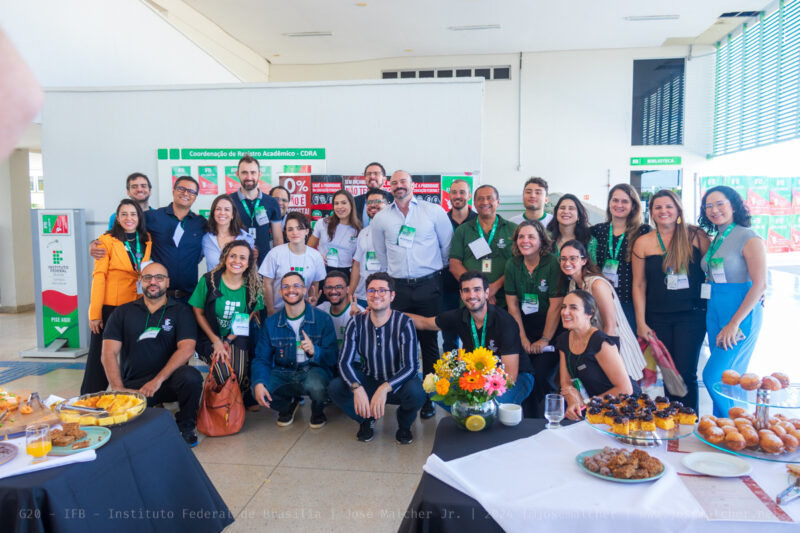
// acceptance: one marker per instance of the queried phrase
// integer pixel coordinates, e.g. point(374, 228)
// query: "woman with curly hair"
point(571, 221)
point(736, 277)
point(226, 303)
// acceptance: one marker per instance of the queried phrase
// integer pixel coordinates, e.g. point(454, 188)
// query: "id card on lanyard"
point(405, 239)
point(372, 264)
point(136, 259)
point(675, 280)
point(611, 266)
point(241, 324)
point(152, 331)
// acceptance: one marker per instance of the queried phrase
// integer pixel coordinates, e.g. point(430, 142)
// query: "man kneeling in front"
point(154, 338)
point(385, 343)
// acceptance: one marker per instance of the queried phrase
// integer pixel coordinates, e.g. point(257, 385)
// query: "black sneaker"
point(317, 420)
point(287, 417)
point(404, 436)
point(428, 410)
point(366, 432)
point(190, 437)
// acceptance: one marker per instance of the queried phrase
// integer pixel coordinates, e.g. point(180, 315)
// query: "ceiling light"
point(645, 18)
point(362, 4)
point(309, 34)
point(475, 28)
point(408, 50)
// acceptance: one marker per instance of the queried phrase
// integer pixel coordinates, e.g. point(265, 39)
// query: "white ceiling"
point(389, 28)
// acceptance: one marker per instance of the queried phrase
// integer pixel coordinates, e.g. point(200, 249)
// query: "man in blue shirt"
point(374, 178)
point(260, 213)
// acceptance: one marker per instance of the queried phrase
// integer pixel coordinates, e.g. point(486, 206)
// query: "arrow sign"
point(61, 329)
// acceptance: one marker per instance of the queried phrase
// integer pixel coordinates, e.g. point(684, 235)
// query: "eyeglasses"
point(186, 191)
point(286, 286)
point(374, 202)
point(334, 287)
point(570, 259)
point(380, 291)
point(718, 205)
point(147, 278)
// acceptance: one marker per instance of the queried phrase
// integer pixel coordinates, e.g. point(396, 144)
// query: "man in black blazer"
point(374, 176)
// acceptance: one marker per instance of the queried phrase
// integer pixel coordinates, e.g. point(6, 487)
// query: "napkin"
point(22, 463)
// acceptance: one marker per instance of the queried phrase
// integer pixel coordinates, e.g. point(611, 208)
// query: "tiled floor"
point(299, 479)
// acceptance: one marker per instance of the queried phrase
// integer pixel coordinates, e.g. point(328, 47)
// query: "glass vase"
point(474, 417)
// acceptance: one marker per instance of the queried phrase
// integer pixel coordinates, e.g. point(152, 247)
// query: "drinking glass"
point(554, 410)
point(37, 442)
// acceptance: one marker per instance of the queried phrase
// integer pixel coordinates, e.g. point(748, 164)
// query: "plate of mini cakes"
point(637, 417)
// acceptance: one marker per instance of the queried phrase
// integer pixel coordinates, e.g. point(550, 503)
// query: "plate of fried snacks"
point(73, 439)
point(621, 465)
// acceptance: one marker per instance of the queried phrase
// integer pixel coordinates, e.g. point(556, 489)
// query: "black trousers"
point(94, 377)
point(423, 298)
point(185, 386)
point(545, 366)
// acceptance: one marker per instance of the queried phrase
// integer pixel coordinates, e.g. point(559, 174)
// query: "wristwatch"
point(355, 386)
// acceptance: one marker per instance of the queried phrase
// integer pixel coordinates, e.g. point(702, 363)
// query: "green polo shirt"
point(500, 246)
point(543, 281)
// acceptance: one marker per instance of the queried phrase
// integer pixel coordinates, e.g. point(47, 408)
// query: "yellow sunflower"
point(480, 360)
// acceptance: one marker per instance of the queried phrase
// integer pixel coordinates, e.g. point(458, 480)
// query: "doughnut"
point(704, 425)
point(729, 429)
point(750, 437)
point(778, 430)
point(716, 435)
point(725, 422)
point(785, 425)
point(735, 441)
point(771, 443)
point(750, 381)
point(782, 378)
point(731, 377)
point(736, 412)
point(795, 433)
point(742, 422)
point(795, 422)
point(790, 443)
point(714, 418)
point(770, 383)
point(780, 416)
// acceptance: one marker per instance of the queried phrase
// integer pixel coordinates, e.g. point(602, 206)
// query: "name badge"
point(677, 282)
point(610, 268)
point(717, 268)
point(139, 288)
point(252, 232)
point(405, 239)
point(576, 382)
point(372, 264)
point(241, 324)
point(302, 356)
point(149, 333)
point(530, 303)
point(479, 248)
point(705, 291)
point(176, 236)
point(486, 266)
point(261, 216)
point(332, 257)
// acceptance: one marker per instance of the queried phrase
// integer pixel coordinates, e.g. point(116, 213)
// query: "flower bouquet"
point(469, 382)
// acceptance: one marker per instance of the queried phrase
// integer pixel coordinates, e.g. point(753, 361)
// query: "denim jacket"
point(277, 344)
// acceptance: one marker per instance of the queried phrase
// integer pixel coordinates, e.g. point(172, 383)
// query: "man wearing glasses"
point(154, 338)
point(295, 355)
point(339, 304)
point(385, 342)
point(177, 235)
point(374, 178)
point(365, 262)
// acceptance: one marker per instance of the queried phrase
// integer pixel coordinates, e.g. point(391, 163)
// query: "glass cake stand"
point(647, 438)
point(793, 457)
point(762, 399)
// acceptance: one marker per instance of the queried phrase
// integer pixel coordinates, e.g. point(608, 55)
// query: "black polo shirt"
point(141, 360)
point(247, 212)
point(449, 282)
point(502, 333)
point(180, 261)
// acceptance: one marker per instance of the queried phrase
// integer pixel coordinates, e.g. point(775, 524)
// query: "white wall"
point(575, 109)
point(16, 252)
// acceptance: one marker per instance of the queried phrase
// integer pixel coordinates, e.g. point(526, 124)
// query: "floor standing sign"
point(61, 283)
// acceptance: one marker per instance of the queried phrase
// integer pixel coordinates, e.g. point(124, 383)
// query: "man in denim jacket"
point(296, 354)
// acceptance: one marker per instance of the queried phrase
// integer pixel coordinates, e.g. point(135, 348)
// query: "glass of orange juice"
point(37, 442)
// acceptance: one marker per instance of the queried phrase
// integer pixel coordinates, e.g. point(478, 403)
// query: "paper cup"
point(510, 414)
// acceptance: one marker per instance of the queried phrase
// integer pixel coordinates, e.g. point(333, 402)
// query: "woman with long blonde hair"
point(666, 287)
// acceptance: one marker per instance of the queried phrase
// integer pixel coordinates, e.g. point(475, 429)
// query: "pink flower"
point(495, 383)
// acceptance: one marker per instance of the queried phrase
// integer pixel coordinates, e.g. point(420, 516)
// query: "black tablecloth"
point(438, 507)
point(145, 478)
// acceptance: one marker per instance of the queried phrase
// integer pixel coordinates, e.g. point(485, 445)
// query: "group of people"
point(349, 313)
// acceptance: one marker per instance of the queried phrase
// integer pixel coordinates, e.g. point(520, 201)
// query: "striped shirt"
point(388, 353)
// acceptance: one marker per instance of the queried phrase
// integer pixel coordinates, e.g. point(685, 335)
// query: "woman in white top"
point(224, 226)
point(335, 235)
point(294, 256)
point(584, 274)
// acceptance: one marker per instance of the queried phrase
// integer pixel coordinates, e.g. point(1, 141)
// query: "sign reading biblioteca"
point(655, 161)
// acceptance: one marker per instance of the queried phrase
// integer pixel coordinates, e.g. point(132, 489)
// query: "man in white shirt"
point(412, 243)
point(534, 198)
point(374, 178)
point(365, 262)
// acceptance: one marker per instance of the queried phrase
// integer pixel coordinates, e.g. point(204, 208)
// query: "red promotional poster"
point(177, 172)
point(780, 196)
point(231, 181)
point(354, 184)
point(795, 232)
point(207, 176)
point(758, 195)
point(796, 196)
point(779, 234)
point(322, 188)
point(299, 188)
point(265, 183)
point(428, 187)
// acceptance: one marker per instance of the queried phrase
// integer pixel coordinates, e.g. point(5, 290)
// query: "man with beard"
point(139, 189)
point(296, 354)
point(480, 323)
point(374, 178)
point(339, 305)
point(260, 213)
point(412, 243)
point(154, 338)
point(534, 198)
point(365, 262)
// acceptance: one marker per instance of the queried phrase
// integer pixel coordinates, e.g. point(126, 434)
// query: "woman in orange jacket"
point(115, 281)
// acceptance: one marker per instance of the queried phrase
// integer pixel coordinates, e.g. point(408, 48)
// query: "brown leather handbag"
point(221, 408)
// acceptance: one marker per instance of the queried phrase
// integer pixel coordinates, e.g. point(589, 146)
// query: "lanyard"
point(491, 233)
point(256, 205)
point(663, 249)
point(137, 257)
point(615, 254)
point(475, 331)
point(718, 242)
point(158, 324)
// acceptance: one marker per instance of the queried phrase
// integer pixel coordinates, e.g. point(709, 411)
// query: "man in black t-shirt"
point(480, 323)
point(154, 338)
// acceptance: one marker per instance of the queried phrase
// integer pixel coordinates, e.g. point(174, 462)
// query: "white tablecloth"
point(535, 483)
point(22, 463)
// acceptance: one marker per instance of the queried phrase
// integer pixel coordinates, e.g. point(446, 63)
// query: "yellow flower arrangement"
point(472, 377)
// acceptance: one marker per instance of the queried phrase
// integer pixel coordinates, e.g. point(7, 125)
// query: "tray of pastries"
point(640, 418)
point(775, 390)
point(738, 434)
point(621, 465)
point(107, 408)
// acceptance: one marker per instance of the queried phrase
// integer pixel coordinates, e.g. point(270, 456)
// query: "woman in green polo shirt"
point(533, 296)
point(226, 303)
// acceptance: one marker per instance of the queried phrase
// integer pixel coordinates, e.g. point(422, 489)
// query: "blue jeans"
point(409, 397)
point(516, 394)
point(286, 384)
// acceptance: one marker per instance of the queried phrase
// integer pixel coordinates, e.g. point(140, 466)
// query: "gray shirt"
point(731, 252)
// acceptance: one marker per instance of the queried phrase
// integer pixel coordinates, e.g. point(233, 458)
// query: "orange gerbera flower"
point(471, 381)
